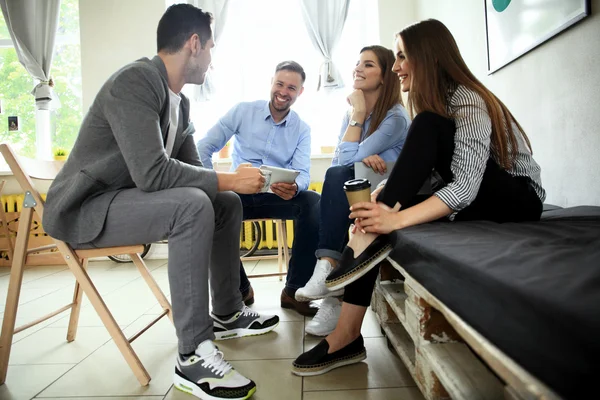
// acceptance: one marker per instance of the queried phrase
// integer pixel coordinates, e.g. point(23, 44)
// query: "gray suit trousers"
point(203, 244)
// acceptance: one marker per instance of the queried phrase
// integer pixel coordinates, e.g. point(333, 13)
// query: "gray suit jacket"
point(121, 145)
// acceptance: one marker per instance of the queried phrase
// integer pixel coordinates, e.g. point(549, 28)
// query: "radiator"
point(14, 203)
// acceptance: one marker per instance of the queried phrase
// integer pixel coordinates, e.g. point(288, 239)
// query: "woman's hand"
point(357, 100)
point(375, 193)
point(376, 217)
point(376, 163)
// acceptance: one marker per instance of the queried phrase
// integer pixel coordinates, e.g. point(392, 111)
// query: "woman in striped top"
point(470, 139)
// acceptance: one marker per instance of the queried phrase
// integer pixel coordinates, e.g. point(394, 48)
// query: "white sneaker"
point(326, 319)
point(208, 376)
point(315, 287)
point(246, 322)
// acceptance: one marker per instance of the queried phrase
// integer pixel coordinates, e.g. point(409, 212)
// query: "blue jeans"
point(334, 213)
point(303, 209)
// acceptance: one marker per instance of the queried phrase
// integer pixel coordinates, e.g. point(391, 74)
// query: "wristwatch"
point(354, 123)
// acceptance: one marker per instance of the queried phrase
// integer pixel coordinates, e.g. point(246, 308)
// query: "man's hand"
point(285, 190)
point(247, 179)
point(376, 163)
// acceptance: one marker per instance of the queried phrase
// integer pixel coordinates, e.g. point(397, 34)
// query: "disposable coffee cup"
point(358, 190)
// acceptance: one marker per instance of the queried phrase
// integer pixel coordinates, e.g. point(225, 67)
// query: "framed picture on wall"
point(514, 27)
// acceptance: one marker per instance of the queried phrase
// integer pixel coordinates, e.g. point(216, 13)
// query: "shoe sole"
point(302, 298)
point(243, 332)
point(190, 388)
point(320, 334)
point(360, 271)
point(306, 314)
point(326, 367)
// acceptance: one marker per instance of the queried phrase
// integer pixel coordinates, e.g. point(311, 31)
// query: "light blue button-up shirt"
point(261, 141)
point(386, 141)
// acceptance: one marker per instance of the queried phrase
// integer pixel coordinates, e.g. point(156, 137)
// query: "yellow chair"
point(77, 261)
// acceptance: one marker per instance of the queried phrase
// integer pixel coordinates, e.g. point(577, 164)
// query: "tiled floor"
point(44, 365)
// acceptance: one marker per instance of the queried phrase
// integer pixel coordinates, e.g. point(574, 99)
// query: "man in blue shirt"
point(269, 133)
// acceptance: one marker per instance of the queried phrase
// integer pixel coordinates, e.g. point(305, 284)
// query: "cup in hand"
point(267, 185)
point(358, 190)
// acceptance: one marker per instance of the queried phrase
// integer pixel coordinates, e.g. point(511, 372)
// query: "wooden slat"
point(144, 329)
point(267, 275)
point(395, 296)
point(41, 248)
point(42, 319)
point(463, 376)
point(523, 383)
point(109, 251)
point(105, 315)
point(402, 343)
point(14, 290)
point(151, 282)
point(254, 258)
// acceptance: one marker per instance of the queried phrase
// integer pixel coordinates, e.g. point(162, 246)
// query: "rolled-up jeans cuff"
point(336, 255)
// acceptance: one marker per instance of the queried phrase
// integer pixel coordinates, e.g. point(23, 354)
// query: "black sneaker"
point(208, 376)
point(316, 361)
point(244, 323)
point(350, 269)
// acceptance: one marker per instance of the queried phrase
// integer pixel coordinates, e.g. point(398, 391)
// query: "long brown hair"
point(437, 68)
point(390, 89)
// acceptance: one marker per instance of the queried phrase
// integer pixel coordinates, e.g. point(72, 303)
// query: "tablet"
point(277, 175)
point(362, 171)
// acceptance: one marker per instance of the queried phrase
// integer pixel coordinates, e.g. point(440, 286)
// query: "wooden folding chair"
point(77, 261)
point(283, 254)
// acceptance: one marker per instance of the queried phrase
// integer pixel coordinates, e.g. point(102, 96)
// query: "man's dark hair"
point(178, 24)
point(291, 66)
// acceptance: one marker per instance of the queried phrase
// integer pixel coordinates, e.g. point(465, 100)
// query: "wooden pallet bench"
point(447, 358)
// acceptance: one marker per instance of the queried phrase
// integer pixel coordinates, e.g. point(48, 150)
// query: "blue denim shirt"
point(386, 141)
point(261, 141)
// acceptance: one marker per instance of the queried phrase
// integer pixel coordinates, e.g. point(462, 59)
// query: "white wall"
point(553, 91)
point(114, 33)
point(393, 16)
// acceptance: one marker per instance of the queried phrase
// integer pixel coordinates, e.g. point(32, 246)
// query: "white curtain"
point(32, 25)
point(218, 8)
point(325, 21)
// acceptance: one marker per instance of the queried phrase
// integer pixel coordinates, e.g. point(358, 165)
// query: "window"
point(260, 34)
point(16, 85)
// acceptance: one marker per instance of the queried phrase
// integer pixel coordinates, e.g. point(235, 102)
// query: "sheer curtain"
point(218, 8)
point(325, 22)
point(32, 26)
point(260, 34)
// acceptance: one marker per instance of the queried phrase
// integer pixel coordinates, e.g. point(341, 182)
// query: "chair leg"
point(279, 247)
point(107, 318)
point(75, 311)
point(160, 296)
point(14, 290)
point(286, 251)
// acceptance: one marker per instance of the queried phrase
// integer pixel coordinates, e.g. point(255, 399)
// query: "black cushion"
point(532, 289)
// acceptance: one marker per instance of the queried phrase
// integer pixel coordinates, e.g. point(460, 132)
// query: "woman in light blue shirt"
point(373, 132)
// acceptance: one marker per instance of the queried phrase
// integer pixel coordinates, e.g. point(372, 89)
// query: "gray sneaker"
point(208, 376)
point(244, 323)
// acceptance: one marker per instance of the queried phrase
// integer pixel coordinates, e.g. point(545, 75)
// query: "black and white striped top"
point(472, 141)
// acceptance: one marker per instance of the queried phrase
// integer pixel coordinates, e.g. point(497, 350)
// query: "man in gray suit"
point(134, 176)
